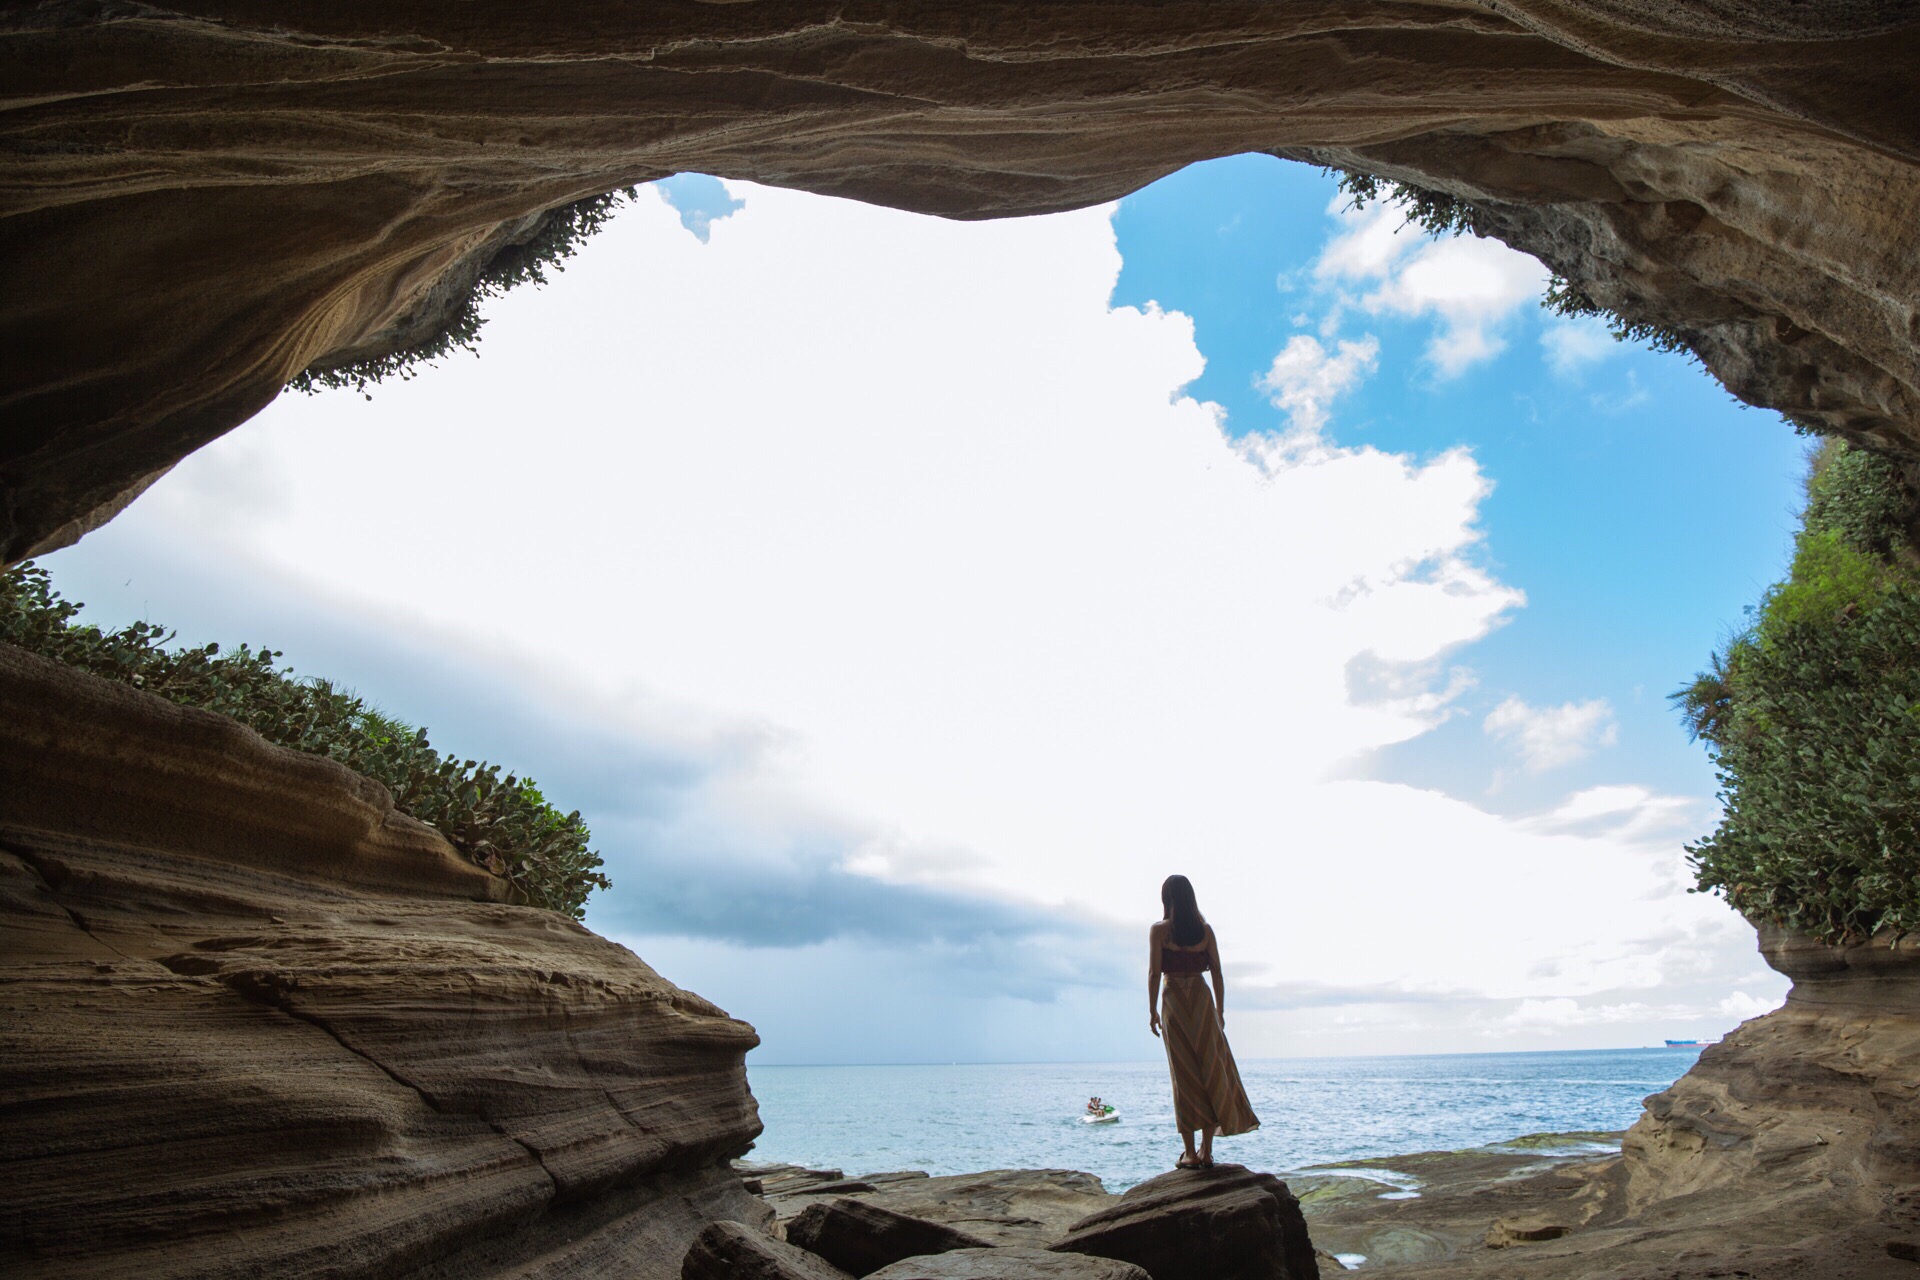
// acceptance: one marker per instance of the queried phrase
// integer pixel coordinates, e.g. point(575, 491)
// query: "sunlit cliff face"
point(208, 204)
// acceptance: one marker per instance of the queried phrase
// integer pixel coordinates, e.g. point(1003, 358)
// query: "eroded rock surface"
point(274, 1028)
point(205, 198)
point(1434, 1205)
point(1802, 1123)
point(1823, 1094)
point(1791, 1149)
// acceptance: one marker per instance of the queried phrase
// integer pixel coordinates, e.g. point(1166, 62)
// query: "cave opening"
point(309, 991)
point(1233, 524)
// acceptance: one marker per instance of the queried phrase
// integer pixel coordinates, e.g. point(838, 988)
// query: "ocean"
point(966, 1118)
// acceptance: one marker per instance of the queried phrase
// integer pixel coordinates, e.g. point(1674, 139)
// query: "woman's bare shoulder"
point(1158, 931)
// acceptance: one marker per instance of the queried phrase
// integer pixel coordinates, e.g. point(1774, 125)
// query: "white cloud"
point(1741, 1006)
point(1459, 347)
point(1623, 811)
point(1370, 242)
point(1468, 284)
point(1572, 345)
point(908, 498)
point(1561, 1012)
point(1548, 737)
point(1306, 378)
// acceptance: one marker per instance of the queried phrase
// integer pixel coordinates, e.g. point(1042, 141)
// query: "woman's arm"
point(1219, 983)
point(1153, 980)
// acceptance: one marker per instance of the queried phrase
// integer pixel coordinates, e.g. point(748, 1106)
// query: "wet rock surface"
point(1435, 1205)
point(206, 199)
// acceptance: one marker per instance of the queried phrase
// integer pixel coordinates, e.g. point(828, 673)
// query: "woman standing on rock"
point(1207, 1096)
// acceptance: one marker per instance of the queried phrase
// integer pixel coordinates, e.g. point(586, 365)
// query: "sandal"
point(1185, 1162)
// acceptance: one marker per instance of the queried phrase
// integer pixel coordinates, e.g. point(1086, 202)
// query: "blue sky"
point(1639, 506)
point(899, 599)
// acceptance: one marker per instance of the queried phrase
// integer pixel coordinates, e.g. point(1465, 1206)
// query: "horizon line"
point(1330, 1057)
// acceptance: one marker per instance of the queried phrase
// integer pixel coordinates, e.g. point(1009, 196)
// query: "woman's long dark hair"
point(1176, 899)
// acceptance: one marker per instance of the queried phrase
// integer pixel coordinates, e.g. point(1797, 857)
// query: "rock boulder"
point(1009, 1264)
point(1029, 1208)
point(729, 1251)
point(862, 1238)
point(1223, 1223)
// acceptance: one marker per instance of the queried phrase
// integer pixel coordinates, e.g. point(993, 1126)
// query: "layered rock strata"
point(205, 198)
point(1804, 1122)
point(254, 1022)
point(1790, 1149)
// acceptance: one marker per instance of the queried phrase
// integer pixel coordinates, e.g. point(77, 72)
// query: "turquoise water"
point(960, 1119)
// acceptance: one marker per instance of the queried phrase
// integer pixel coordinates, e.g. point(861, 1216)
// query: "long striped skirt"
point(1207, 1094)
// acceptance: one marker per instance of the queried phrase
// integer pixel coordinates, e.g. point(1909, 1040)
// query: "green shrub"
point(1858, 495)
point(1813, 717)
point(558, 238)
point(1829, 579)
point(503, 824)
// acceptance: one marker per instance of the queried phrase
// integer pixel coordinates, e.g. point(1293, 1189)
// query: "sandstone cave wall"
point(254, 1022)
point(1805, 1118)
point(203, 199)
point(1790, 1149)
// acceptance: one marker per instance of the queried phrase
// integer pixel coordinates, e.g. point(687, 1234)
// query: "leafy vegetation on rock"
point(1813, 717)
point(559, 237)
point(1435, 212)
point(1441, 214)
point(503, 823)
point(1565, 298)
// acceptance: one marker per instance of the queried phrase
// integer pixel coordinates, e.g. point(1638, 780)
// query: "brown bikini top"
point(1174, 960)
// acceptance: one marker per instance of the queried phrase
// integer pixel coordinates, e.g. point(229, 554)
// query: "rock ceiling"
point(201, 200)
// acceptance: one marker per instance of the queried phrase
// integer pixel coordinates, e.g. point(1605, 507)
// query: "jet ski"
point(1106, 1115)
